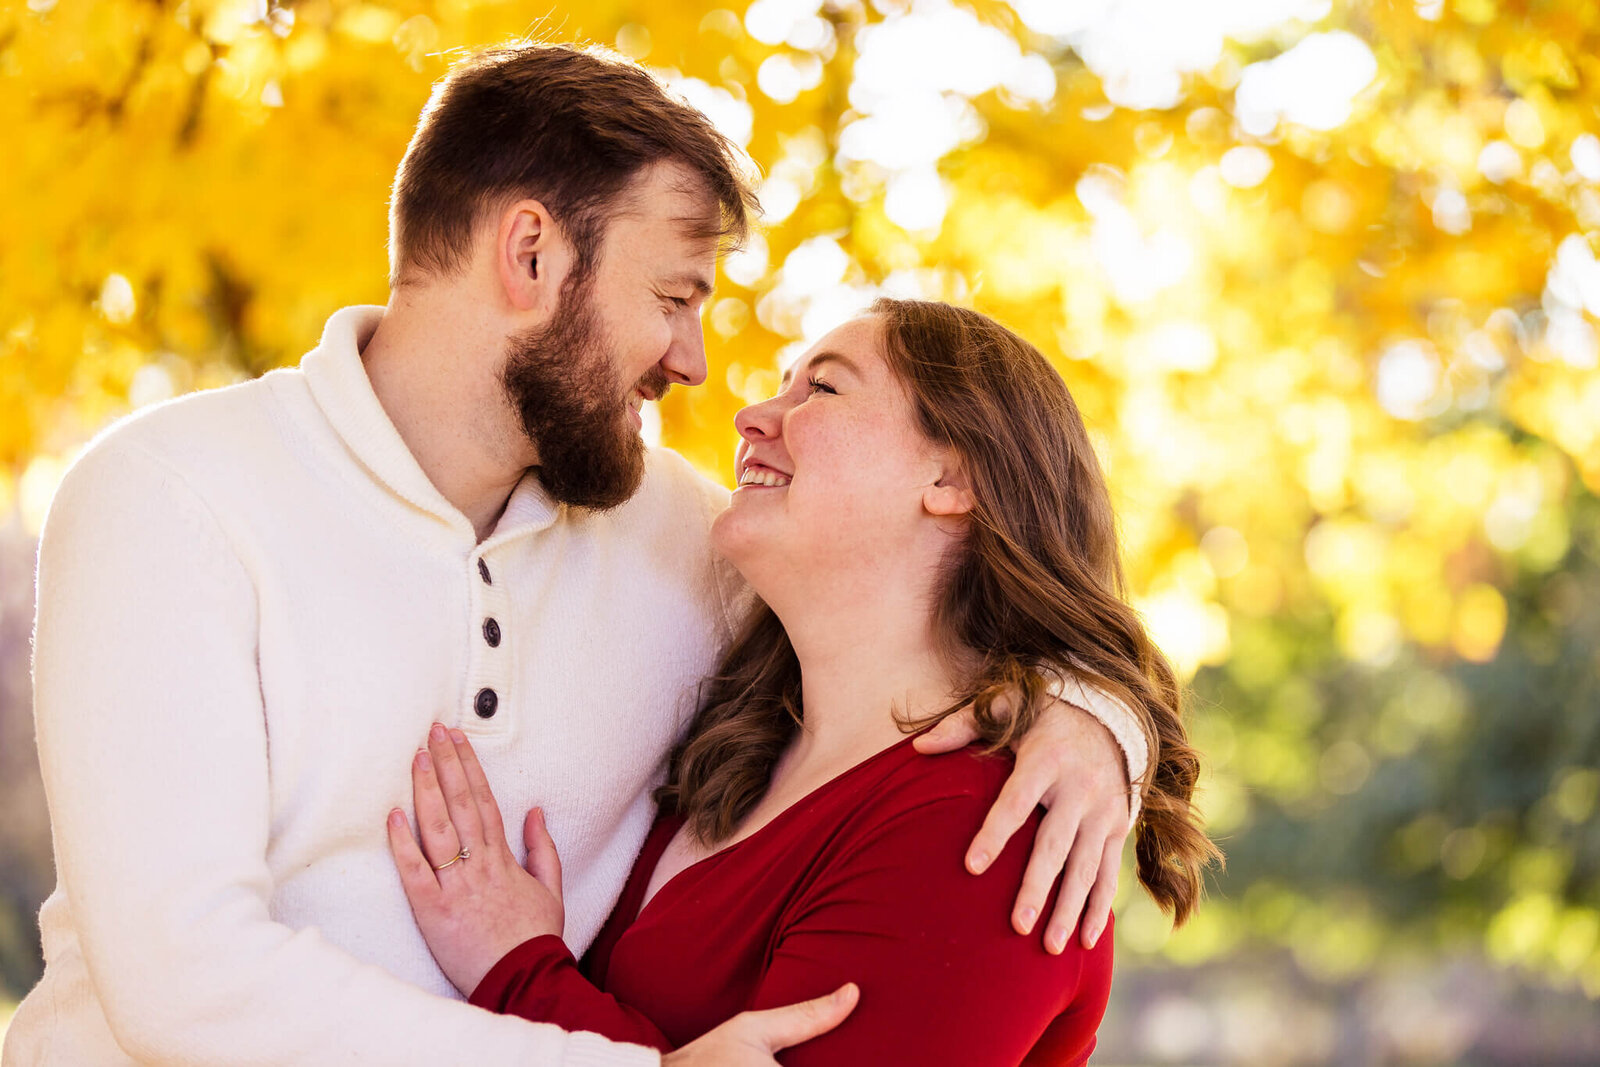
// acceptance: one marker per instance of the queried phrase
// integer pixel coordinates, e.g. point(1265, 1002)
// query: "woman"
point(926, 524)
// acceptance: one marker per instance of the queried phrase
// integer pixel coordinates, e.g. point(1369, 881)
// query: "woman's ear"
point(950, 495)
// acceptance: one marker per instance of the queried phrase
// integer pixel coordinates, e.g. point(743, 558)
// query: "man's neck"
point(430, 363)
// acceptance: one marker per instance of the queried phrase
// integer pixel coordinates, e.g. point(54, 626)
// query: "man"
point(254, 601)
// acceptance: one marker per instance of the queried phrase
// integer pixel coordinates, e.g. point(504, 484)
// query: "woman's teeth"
point(757, 476)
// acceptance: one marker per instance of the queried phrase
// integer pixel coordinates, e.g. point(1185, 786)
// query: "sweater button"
point(483, 572)
point(491, 633)
point(486, 703)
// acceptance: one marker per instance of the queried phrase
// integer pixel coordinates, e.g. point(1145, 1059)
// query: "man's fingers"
point(1017, 799)
point(1051, 847)
point(452, 777)
point(544, 862)
point(954, 732)
point(1082, 867)
point(488, 811)
point(416, 875)
point(439, 838)
point(779, 1028)
point(1104, 894)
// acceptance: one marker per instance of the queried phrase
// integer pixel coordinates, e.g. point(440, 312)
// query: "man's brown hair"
point(566, 126)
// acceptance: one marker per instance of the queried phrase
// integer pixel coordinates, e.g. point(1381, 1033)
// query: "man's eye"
point(818, 385)
point(678, 301)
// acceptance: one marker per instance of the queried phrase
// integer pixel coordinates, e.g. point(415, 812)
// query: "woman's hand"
point(1070, 763)
point(472, 901)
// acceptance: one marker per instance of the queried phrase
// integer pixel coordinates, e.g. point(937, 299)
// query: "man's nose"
point(685, 361)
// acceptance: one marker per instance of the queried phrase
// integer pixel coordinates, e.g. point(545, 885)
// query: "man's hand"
point(751, 1038)
point(1070, 763)
point(478, 906)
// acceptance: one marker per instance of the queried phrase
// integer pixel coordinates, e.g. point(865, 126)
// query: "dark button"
point(486, 703)
point(491, 633)
point(483, 572)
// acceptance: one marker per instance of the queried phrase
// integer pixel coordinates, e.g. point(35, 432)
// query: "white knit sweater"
point(252, 604)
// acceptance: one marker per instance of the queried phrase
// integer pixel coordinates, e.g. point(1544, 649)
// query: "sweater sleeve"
point(153, 743)
point(540, 980)
point(944, 980)
point(1115, 717)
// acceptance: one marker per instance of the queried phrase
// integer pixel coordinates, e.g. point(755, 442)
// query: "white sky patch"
point(810, 295)
point(1138, 265)
point(916, 200)
point(1314, 84)
point(1177, 346)
point(1586, 156)
point(727, 112)
point(1451, 213)
point(779, 197)
point(939, 48)
point(1499, 162)
point(784, 77)
point(1245, 167)
point(1574, 279)
point(748, 265)
point(914, 78)
point(911, 131)
point(1408, 379)
point(1142, 49)
point(1571, 337)
point(151, 384)
point(771, 21)
point(117, 302)
point(650, 419)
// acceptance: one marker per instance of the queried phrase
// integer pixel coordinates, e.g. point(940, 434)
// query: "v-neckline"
point(647, 901)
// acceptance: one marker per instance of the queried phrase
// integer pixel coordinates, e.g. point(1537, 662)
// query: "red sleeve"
point(539, 980)
point(944, 979)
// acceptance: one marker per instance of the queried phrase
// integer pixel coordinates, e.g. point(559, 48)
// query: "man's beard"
point(562, 379)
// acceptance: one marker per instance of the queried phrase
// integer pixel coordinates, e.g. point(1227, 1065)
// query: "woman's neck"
point(863, 670)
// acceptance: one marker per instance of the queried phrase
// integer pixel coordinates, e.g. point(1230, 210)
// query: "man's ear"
point(531, 259)
point(950, 495)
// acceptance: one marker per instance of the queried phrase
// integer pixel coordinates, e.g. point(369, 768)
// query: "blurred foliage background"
point(1321, 275)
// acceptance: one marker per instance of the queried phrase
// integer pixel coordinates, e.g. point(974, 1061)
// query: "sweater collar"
point(339, 383)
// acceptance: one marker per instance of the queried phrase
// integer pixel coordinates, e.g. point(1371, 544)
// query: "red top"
point(862, 881)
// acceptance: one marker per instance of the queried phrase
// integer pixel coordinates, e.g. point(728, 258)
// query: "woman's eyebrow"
point(823, 357)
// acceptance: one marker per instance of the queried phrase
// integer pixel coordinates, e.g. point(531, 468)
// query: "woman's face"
point(833, 470)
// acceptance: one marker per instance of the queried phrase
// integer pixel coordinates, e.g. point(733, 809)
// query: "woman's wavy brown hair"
point(1035, 587)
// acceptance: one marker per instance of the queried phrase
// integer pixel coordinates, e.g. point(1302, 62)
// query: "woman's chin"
point(737, 534)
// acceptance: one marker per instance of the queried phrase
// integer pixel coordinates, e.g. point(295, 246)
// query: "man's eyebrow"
point(824, 357)
point(693, 281)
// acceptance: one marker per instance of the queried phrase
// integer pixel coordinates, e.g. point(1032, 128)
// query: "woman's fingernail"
point(1055, 940)
point(457, 736)
point(979, 862)
point(397, 817)
point(1091, 937)
point(423, 762)
point(437, 733)
point(1027, 916)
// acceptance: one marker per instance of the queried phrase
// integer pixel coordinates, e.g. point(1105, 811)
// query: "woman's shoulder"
point(942, 796)
point(968, 776)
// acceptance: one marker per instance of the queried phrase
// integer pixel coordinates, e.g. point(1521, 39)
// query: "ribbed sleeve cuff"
point(592, 1050)
point(1115, 717)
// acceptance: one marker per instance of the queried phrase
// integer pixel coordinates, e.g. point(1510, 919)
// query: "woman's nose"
point(759, 421)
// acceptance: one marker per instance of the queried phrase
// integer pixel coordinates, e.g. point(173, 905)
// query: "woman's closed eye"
point(818, 385)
